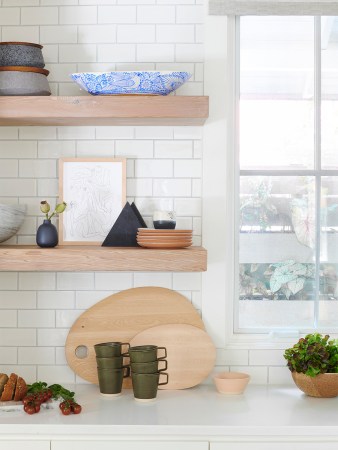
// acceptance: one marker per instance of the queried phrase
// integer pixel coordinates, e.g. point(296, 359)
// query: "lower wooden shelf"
point(30, 258)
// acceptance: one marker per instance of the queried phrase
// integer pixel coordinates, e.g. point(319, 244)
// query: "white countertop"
point(198, 412)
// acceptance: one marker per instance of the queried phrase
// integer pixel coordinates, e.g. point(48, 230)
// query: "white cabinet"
point(25, 445)
point(128, 445)
point(274, 446)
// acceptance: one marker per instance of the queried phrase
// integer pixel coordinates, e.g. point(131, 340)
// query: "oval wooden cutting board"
point(120, 317)
point(191, 353)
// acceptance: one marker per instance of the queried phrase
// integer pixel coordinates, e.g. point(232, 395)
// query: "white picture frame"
point(95, 192)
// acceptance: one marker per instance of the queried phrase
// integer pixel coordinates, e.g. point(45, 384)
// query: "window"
point(287, 209)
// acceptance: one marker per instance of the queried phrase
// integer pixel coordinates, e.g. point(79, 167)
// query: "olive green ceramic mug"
point(145, 385)
point(146, 353)
point(110, 380)
point(115, 362)
point(109, 349)
point(149, 367)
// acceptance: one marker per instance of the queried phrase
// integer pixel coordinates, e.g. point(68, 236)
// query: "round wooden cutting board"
point(191, 353)
point(120, 317)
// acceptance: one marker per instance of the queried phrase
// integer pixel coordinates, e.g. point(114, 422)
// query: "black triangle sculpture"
point(124, 230)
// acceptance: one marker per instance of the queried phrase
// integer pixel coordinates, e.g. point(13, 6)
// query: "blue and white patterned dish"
point(117, 83)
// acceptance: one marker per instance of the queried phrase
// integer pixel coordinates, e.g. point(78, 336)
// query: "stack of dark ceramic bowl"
point(22, 69)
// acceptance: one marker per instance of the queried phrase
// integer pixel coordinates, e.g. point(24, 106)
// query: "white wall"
point(164, 172)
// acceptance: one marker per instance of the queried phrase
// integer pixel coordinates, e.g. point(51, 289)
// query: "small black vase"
point(47, 235)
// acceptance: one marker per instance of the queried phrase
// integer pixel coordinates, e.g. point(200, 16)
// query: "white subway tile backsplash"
point(153, 133)
point(109, 281)
point(153, 279)
point(175, 33)
point(280, 375)
point(189, 14)
point(134, 149)
point(16, 187)
point(48, 187)
point(86, 299)
point(27, 372)
point(20, 34)
point(114, 133)
point(51, 373)
point(189, 53)
point(53, 337)
point(56, 149)
point(36, 133)
point(155, 14)
point(173, 149)
point(188, 132)
point(78, 281)
point(172, 187)
point(8, 355)
point(18, 149)
point(56, 299)
point(8, 318)
point(51, 54)
point(10, 16)
point(60, 34)
point(36, 355)
point(95, 149)
point(36, 319)
point(188, 206)
point(39, 16)
point(9, 133)
point(140, 187)
point(17, 337)
point(117, 14)
point(76, 133)
point(116, 52)
point(188, 168)
point(8, 281)
point(196, 190)
point(66, 318)
point(41, 168)
point(187, 281)
point(73, 53)
point(93, 34)
point(226, 357)
point(9, 168)
point(154, 168)
point(77, 15)
point(60, 356)
point(135, 33)
point(155, 53)
point(33, 281)
point(267, 357)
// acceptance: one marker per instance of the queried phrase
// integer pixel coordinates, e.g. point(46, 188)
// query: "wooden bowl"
point(324, 385)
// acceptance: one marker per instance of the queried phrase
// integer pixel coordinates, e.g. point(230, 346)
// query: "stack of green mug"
point(110, 366)
point(146, 370)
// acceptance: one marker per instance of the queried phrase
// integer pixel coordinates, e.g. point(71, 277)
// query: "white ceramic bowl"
point(128, 83)
point(11, 218)
point(231, 383)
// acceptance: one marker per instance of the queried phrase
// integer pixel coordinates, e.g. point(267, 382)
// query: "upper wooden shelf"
point(104, 110)
point(91, 258)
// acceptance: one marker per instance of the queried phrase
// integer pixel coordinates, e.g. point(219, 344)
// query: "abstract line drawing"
point(95, 189)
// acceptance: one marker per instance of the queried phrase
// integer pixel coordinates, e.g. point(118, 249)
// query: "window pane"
point(276, 251)
point(329, 105)
point(328, 306)
point(276, 92)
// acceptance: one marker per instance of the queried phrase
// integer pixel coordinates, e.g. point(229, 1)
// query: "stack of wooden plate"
point(151, 238)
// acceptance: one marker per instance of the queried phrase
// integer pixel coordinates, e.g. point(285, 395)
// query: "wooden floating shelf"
point(103, 110)
point(29, 258)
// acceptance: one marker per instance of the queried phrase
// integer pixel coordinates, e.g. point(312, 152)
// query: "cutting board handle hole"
point(81, 351)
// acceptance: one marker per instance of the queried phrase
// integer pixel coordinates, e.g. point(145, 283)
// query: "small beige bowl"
point(231, 383)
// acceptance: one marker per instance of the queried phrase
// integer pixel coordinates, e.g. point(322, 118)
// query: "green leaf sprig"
point(57, 390)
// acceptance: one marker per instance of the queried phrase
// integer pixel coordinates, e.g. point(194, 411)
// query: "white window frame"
point(220, 171)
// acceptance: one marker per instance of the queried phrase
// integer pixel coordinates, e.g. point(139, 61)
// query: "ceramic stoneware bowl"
point(231, 383)
point(23, 81)
point(127, 83)
point(21, 54)
point(11, 218)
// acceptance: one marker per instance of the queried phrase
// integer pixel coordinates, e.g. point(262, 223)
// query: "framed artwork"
point(95, 192)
